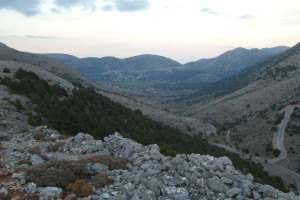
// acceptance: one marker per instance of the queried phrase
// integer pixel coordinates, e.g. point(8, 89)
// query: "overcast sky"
point(184, 30)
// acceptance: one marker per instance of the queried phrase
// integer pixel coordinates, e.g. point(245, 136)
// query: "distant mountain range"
point(232, 62)
point(165, 73)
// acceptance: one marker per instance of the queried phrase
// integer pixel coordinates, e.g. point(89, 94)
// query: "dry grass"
point(80, 188)
point(34, 150)
point(102, 180)
point(55, 147)
point(111, 162)
point(56, 173)
point(39, 136)
point(21, 162)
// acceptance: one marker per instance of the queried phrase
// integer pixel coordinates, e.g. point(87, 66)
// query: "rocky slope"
point(148, 174)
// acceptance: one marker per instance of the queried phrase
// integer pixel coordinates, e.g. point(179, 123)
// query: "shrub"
point(55, 147)
point(274, 128)
point(34, 150)
point(64, 137)
point(80, 188)
point(269, 147)
point(18, 105)
point(102, 180)
point(6, 70)
point(2, 148)
point(5, 196)
point(21, 162)
point(56, 173)
point(39, 136)
point(111, 162)
point(276, 152)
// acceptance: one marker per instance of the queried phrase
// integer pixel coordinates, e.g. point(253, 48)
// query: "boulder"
point(36, 160)
point(233, 192)
point(216, 185)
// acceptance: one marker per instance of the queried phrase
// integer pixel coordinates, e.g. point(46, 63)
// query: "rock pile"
point(149, 175)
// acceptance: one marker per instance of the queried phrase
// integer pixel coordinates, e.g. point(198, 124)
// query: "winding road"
point(280, 146)
point(280, 137)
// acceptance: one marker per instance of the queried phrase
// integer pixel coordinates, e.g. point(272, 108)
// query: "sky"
point(183, 30)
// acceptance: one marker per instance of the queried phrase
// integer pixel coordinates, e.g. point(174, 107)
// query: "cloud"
point(108, 7)
point(126, 5)
point(33, 7)
point(246, 16)
point(67, 4)
point(40, 37)
point(26, 7)
point(209, 11)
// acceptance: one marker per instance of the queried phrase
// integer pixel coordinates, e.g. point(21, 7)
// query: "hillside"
point(61, 70)
point(248, 107)
point(251, 74)
point(33, 100)
point(232, 62)
point(9, 54)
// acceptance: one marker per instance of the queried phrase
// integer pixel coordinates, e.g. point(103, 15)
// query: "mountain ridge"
point(157, 75)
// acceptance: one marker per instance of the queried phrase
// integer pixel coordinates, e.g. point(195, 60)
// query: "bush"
point(80, 188)
point(2, 148)
point(34, 150)
point(17, 103)
point(274, 128)
point(102, 180)
point(276, 152)
point(6, 70)
point(27, 162)
point(56, 173)
point(111, 162)
point(269, 147)
point(55, 147)
point(39, 136)
point(5, 196)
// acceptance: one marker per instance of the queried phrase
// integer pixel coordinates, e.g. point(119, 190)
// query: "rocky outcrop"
point(150, 175)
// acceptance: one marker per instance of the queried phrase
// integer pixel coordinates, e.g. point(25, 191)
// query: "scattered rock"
point(119, 168)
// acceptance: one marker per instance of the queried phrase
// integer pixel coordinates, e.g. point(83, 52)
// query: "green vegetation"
point(293, 126)
point(87, 111)
point(296, 114)
point(276, 152)
point(56, 173)
point(6, 70)
point(269, 147)
point(17, 103)
point(279, 118)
